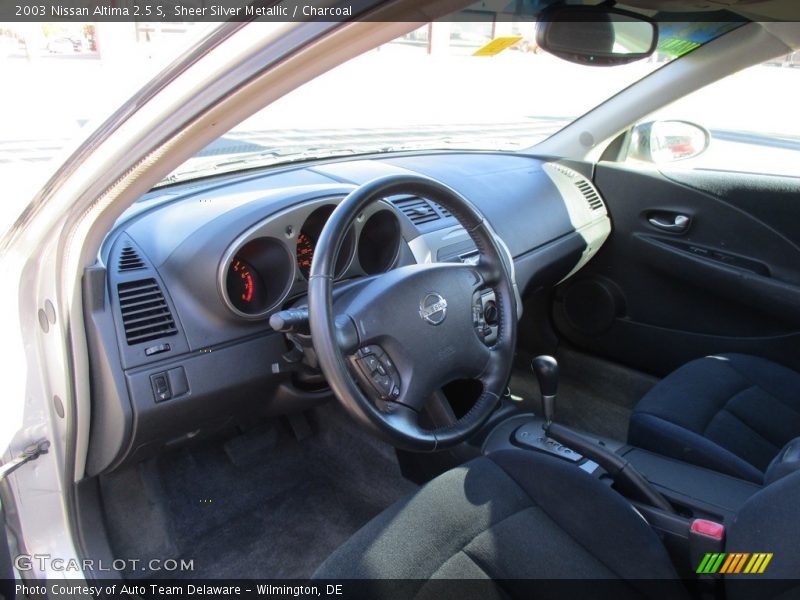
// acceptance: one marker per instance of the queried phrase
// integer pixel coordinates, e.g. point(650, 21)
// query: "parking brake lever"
point(620, 470)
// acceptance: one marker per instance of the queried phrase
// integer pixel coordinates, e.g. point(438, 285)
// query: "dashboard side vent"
point(418, 210)
point(145, 313)
point(588, 191)
point(564, 170)
point(129, 260)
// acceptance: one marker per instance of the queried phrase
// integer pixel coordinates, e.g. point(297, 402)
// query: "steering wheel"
point(411, 330)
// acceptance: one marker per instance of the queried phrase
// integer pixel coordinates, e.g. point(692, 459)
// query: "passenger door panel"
point(728, 282)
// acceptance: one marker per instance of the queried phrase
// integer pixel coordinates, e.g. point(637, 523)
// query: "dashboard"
point(178, 304)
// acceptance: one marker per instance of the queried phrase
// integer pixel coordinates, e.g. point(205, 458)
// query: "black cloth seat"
point(732, 413)
point(512, 516)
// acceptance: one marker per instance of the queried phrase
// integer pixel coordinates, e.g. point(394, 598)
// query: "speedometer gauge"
point(244, 285)
point(305, 253)
point(307, 243)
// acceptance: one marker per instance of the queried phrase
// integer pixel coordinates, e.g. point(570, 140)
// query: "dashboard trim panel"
point(235, 365)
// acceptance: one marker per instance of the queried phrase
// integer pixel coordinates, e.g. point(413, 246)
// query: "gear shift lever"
point(546, 370)
point(559, 440)
point(564, 442)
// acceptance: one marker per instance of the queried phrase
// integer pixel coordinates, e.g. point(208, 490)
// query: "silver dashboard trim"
point(592, 224)
point(425, 248)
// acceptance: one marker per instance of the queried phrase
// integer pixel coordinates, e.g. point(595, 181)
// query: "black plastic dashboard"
point(177, 306)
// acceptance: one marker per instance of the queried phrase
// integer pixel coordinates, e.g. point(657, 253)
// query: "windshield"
point(438, 87)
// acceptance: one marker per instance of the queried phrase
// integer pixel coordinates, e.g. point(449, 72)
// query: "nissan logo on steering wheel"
point(433, 308)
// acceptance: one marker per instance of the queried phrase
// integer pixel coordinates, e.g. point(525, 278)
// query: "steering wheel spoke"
point(403, 418)
point(418, 389)
point(346, 334)
point(489, 271)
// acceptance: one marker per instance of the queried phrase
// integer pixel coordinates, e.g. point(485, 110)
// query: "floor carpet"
point(260, 505)
point(594, 395)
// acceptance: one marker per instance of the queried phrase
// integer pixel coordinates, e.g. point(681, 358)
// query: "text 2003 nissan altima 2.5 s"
point(390, 308)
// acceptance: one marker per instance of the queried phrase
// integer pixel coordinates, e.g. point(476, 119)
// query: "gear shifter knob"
point(546, 370)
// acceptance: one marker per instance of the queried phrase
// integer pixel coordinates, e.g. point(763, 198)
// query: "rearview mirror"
point(593, 35)
point(667, 141)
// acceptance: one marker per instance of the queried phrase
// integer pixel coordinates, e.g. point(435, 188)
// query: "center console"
point(695, 492)
point(679, 488)
point(688, 506)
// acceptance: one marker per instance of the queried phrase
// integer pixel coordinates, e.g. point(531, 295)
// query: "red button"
point(708, 528)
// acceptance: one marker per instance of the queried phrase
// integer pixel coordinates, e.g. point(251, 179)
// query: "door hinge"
point(30, 453)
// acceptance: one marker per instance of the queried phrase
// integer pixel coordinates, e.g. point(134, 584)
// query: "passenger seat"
point(732, 413)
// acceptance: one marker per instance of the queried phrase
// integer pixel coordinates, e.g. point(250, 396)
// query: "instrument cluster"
point(271, 262)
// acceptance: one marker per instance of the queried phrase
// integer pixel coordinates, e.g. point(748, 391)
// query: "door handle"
point(678, 224)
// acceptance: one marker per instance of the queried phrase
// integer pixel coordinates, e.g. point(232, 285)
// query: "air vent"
point(418, 210)
point(129, 260)
point(590, 194)
point(564, 170)
point(145, 314)
point(445, 213)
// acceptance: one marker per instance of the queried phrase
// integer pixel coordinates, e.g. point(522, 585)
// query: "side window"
point(747, 122)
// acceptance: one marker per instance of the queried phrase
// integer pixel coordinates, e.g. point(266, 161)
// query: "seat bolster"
point(768, 523)
point(776, 380)
point(694, 394)
point(663, 437)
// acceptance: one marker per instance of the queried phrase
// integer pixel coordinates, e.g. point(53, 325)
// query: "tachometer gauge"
point(256, 276)
point(245, 287)
point(305, 253)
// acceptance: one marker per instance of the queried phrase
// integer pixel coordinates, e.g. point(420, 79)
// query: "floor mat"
point(277, 512)
point(594, 395)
